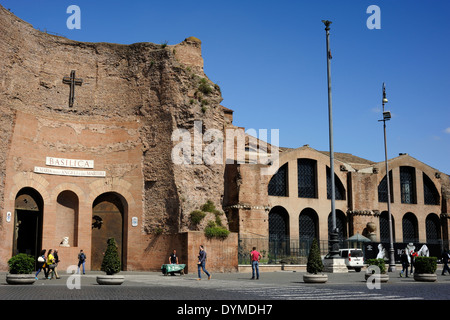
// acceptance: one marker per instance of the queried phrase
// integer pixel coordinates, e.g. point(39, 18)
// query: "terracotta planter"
point(315, 278)
point(425, 277)
point(383, 277)
point(110, 279)
point(20, 278)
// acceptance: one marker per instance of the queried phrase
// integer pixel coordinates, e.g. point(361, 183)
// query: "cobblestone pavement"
point(226, 295)
point(282, 285)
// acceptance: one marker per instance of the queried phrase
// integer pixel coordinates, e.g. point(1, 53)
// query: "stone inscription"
point(70, 172)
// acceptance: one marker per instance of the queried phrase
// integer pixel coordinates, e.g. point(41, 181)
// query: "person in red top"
point(255, 256)
point(414, 254)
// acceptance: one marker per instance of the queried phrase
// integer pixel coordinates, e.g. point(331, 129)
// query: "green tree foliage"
point(111, 260)
point(425, 264)
point(314, 264)
point(197, 216)
point(21, 264)
point(379, 263)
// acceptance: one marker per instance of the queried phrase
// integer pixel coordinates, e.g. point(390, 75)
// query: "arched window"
point(430, 193)
point(339, 189)
point(410, 228)
point(278, 223)
point(383, 189)
point(433, 229)
point(308, 225)
point(307, 178)
point(279, 244)
point(384, 227)
point(408, 184)
point(341, 224)
point(278, 185)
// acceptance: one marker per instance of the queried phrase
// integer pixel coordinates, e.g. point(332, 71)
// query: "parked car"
point(354, 258)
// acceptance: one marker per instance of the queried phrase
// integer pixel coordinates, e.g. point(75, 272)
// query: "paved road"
point(225, 295)
point(282, 285)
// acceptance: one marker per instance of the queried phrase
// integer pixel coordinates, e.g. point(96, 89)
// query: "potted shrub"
point(373, 266)
point(314, 266)
point(111, 265)
point(425, 268)
point(21, 268)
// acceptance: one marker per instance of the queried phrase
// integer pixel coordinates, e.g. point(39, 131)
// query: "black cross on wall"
point(72, 81)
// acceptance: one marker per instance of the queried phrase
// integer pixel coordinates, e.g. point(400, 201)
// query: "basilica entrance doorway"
point(108, 213)
point(28, 222)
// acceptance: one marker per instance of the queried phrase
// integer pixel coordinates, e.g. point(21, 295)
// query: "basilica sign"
point(69, 163)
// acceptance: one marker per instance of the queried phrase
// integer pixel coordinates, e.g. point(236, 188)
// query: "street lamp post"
point(387, 117)
point(333, 237)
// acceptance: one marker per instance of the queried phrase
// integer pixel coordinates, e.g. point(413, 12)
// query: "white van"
point(354, 258)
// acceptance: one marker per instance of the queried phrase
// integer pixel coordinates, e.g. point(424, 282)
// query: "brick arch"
point(102, 186)
point(31, 180)
point(68, 187)
point(382, 173)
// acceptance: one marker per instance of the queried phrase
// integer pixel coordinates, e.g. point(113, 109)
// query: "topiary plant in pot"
point(314, 266)
point(376, 268)
point(21, 267)
point(425, 268)
point(111, 265)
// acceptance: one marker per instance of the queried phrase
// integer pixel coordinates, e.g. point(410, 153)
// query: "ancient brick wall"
point(221, 254)
point(131, 100)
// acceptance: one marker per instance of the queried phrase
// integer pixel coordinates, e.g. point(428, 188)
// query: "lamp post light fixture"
point(387, 117)
point(333, 236)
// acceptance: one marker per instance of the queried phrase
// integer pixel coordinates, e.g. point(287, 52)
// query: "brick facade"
point(360, 179)
point(133, 98)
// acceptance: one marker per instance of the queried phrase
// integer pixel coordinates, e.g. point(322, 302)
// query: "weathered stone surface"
point(131, 100)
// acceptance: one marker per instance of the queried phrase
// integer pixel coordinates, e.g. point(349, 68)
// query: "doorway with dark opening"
point(28, 222)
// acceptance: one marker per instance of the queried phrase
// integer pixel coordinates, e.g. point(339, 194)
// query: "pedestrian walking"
point(445, 257)
point(202, 263)
point(405, 264)
point(81, 261)
point(414, 254)
point(50, 264)
point(55, 255)
point(255, 256)
point(41, 264)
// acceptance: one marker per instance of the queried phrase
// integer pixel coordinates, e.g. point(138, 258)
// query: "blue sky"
point(269, 59)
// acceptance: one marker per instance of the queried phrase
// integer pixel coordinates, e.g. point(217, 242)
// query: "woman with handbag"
point(50, 264)
point(40, 264)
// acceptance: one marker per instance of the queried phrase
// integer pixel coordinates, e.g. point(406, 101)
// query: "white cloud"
point(447, 130)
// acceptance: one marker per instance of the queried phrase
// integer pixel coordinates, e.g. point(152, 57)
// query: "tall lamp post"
point(333, 237)
point(387, 117)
